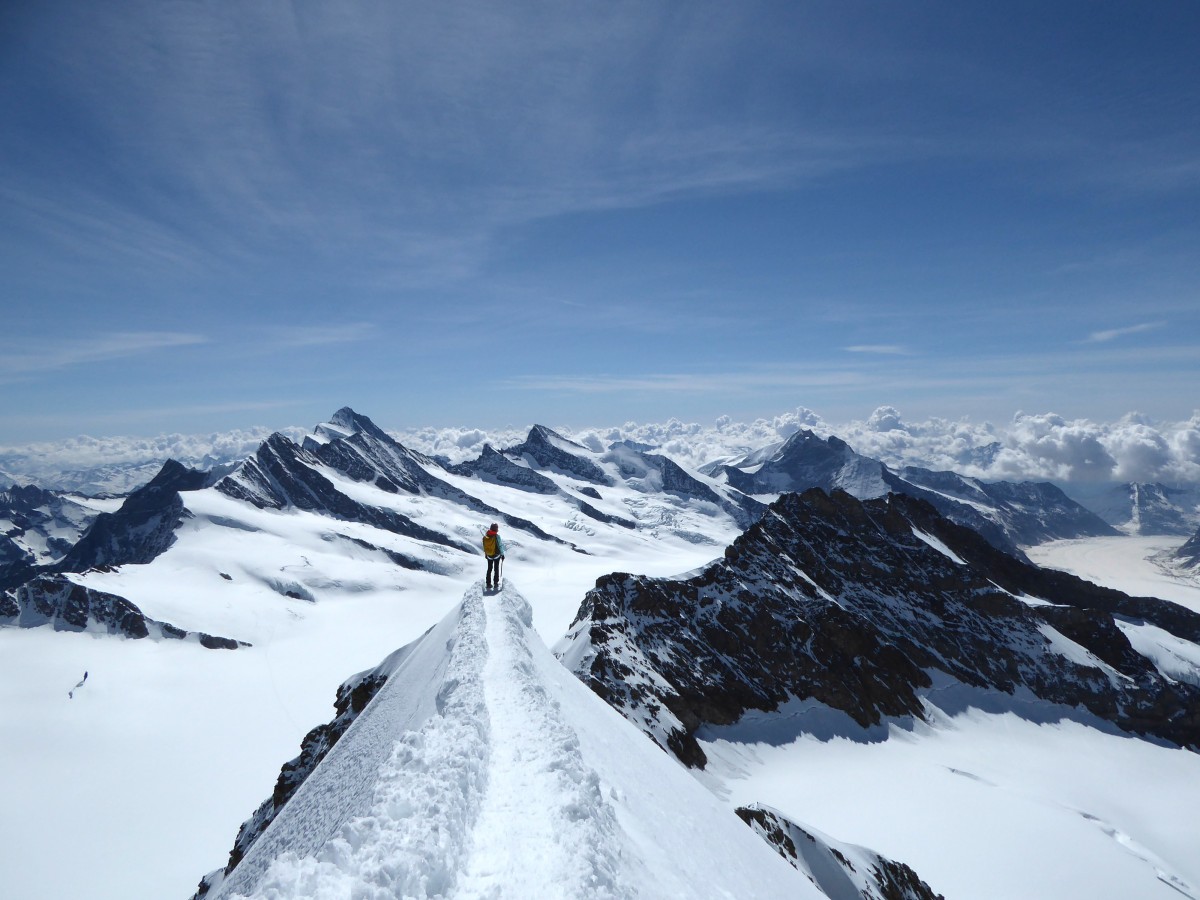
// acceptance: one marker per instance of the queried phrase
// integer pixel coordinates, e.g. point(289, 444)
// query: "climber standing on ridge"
point(493, 549)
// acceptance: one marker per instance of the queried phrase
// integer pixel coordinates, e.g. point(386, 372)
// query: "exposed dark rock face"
point(592, 513)
point(142, 528)
point(55, 601)
point(352, 698)
point(496, 468)
point(843, 601)
point(1007, 514)
point(282, 474)
point(547, 449)
point(369, 454)
point(831, 867)
point(9, 608)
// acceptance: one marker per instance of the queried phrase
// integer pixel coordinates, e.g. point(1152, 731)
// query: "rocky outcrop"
point(283, 474)
point(55, 601)
point(854, 604)
point(1024, 513)
point(839, 870)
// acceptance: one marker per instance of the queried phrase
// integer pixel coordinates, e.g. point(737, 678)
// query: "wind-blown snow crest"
point(483, 768)
point(387, 812)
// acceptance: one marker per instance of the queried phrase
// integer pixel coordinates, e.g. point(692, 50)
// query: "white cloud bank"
point(1042, 446)
point(1030, 447)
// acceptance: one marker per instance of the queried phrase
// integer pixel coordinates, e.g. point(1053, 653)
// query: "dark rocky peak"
point(143, 527)
point(358, 448)
point(281, 474)
point(374, 456)
point(25, 498)
point(172, 478)
point(272, 476)
point(857, 605)
point(546, 449)
point(839, 870)
point(1159, 509)
point(1009, 515)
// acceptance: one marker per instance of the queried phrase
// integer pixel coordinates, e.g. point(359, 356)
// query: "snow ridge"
point(387, 813)
point(542, 794)
point(454, 806)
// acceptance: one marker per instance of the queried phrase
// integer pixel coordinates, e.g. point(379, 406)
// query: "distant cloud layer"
point(1032, 446)
point(1041, 446)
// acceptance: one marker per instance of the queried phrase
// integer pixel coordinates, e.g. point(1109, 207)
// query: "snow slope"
point(484, 769)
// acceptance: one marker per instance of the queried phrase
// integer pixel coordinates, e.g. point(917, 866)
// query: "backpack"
point(490, 542)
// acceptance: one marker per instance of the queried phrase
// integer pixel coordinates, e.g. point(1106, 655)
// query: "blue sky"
point(218, 215)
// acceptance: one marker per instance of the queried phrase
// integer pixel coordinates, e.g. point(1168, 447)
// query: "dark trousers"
point(493, 571)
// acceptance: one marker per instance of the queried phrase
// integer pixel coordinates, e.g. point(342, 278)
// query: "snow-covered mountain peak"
point(807, 460)
point(541, 434)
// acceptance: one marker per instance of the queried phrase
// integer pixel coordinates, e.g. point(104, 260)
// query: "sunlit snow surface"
point(136, 786)
point(142, 778)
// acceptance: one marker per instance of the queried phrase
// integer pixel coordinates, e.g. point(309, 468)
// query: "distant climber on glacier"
point(493, 549)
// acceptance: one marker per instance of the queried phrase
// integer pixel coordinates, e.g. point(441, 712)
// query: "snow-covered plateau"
point(480, 765)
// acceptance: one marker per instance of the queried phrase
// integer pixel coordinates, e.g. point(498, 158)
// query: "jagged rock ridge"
point(53, 600)
point(855, 604)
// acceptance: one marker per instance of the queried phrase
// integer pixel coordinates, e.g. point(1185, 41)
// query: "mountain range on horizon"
point(823, 593)
point(1136, 508)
